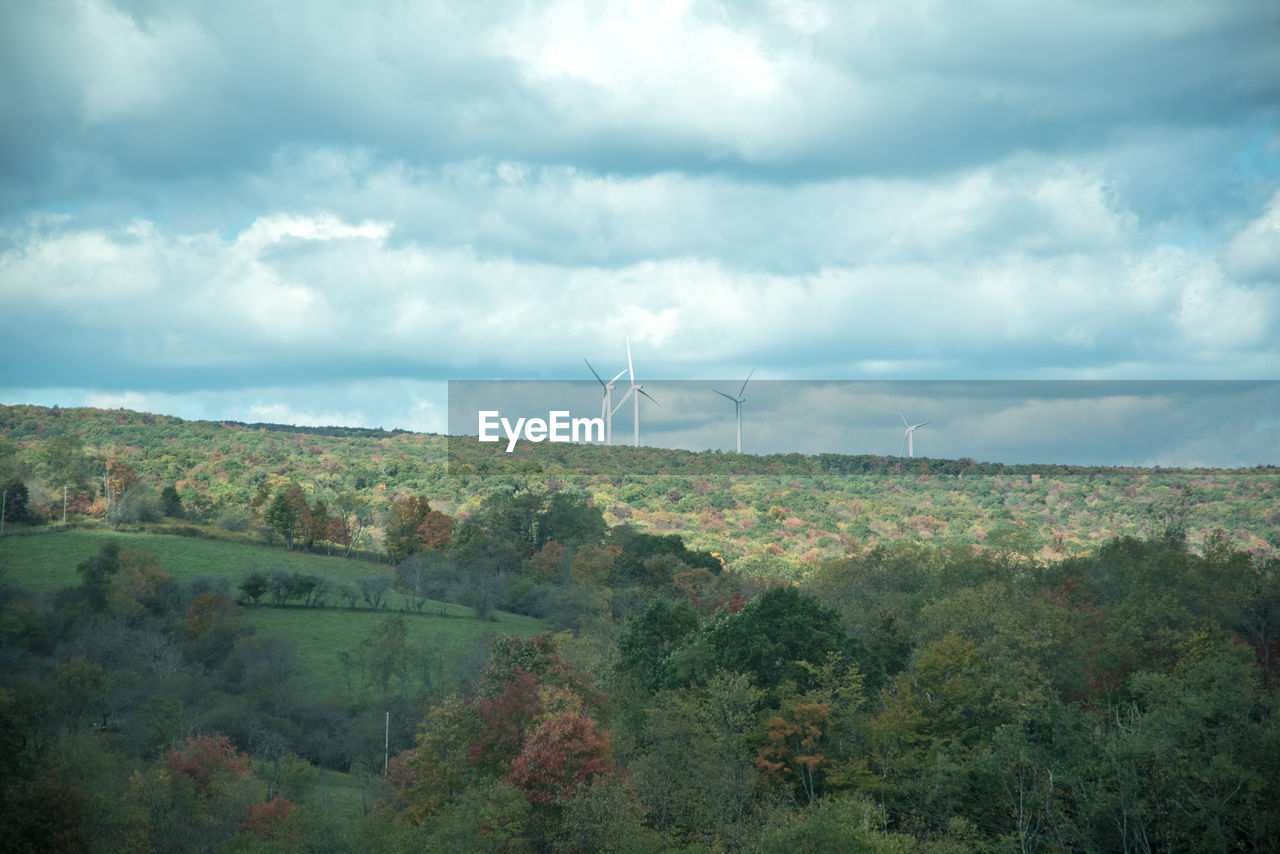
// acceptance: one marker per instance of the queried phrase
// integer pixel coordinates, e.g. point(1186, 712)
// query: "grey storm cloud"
point(226, 209)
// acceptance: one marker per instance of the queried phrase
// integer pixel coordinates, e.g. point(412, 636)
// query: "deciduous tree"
point(565, 753)
point(412, 525)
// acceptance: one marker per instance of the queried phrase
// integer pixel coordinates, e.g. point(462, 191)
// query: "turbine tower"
point(634, 392)
point(606, 404)
point(908, 437)
point(737, 404)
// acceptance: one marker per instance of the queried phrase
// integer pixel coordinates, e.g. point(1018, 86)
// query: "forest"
point(222, 637)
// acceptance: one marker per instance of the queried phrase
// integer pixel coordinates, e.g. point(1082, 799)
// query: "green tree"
point(255, 585)
point(768, 639)
point(61, 460)
point(439, 768)
point(651, 636)
point(16, 499)
point(171, 503)
point(573, 521)
point(351, 516)
point(283, 514)
point(96, 573)
point(382, 663)
point(605, 816)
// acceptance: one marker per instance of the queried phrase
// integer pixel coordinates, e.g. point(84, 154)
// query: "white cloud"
point(315, 286)
point(200, 193)
point(390, 404)
point(1254, 253)
point(130, 67)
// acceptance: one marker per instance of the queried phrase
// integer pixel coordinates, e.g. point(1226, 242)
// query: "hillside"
point(923, 655)
point(775, 515)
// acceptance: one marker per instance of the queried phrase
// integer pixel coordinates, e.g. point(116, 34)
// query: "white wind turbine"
point(634, 392)
point(606, 404)
point(909, 436)
point(737, 404)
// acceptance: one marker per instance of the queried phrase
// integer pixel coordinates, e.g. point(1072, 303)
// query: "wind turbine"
point(634, 392)
point(606, 404)
point(908, 436)
point(737, 404)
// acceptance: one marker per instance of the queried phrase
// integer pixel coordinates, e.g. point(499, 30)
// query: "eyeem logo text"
point(556, 427)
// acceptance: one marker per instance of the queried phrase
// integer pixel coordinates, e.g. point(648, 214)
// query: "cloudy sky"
point(319, 213)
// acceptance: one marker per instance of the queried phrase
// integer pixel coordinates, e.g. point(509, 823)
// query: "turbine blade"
point(646, 394)
point(900, 415)
point(744, 382)
point(630, 391)
point(631, 371)
point(593, 371)
point(725, 396)
point(921, 424)
point(618, 377)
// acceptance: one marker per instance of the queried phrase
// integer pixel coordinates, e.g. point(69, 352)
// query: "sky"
point(1167, 423)
point(320, 213)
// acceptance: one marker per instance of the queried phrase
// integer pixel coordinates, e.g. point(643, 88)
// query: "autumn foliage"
point(205, 611)
point(566, 752)
point(204, 757)
point(505, 720)
point(413, 526)
point(793, 753)
point(278, 819)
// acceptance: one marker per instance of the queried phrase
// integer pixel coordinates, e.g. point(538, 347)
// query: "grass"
point(47, 562)
point(44, 562)
point(320, 635)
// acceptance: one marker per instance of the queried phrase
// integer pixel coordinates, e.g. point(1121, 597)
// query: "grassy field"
point(321, 635)
point(47, 562)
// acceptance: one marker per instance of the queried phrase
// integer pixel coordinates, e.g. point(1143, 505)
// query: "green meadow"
point(47, 562)
point(321, 635)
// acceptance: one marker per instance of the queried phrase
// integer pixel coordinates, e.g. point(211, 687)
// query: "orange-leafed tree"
point(120, 478)
point(413, 526)
point(314, 521)
point(547, 560)
point(278, 819)
point(206, 611)
point(793, 754)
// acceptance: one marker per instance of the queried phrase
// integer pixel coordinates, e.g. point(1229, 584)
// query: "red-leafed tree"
point(565, 753)
point(538, 656)
point(278, 819)
point(204, 757)
point(506, 719)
